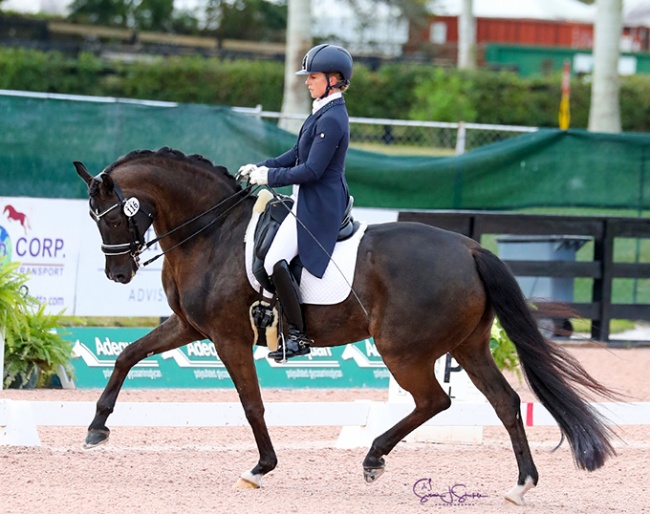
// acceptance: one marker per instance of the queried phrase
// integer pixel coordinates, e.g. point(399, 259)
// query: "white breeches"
point(285, 243)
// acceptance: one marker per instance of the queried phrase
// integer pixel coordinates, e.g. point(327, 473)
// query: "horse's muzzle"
point(120, 276)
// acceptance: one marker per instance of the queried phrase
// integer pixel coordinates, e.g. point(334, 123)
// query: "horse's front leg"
point(238, 359)
point(171, 334)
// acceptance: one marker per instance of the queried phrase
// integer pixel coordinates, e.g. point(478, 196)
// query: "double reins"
point(246, 193)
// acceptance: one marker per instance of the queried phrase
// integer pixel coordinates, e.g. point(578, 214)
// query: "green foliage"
point(32, 342)
point(503, 349)
point(394, 90)
point(100, 12)
point(443, 96)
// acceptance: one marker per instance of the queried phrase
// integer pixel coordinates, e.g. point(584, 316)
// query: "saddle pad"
point(335, 285)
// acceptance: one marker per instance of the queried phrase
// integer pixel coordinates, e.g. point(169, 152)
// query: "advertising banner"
point(197, 364)
point(42, 235)
point(99, 296)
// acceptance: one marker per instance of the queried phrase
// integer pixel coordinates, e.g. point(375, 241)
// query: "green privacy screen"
point(40, 137)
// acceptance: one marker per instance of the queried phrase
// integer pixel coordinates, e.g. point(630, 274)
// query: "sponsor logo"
point(13, 214)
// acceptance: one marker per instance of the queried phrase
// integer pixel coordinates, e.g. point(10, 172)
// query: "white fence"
point(19, 419)
point(435, 137)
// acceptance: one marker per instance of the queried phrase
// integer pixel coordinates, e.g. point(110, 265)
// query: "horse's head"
point(122, 223)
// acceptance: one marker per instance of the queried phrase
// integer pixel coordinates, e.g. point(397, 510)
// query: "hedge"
point(396, 90)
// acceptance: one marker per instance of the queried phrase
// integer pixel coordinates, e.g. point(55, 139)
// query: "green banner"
point(197, 364)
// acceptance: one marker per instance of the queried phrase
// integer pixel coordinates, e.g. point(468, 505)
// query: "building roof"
point(560, 10)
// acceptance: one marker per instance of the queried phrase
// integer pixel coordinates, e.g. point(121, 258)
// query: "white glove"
point(259, 176)
point(245, 171)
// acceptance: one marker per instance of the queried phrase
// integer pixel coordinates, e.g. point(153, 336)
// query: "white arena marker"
point(17, 425)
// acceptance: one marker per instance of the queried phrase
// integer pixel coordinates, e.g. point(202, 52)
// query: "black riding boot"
point(296, 343)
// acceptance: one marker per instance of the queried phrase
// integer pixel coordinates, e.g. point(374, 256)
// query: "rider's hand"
point(259, 176)
point(245, 171)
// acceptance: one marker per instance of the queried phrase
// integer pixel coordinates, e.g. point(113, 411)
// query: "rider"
point(315, 167)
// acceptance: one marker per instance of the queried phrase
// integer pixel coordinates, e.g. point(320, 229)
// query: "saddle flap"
point(275, 212)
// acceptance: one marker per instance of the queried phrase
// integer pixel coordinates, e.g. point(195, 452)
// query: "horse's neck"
point(182, 199)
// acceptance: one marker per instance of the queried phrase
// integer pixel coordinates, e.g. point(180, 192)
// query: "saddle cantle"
point(274, 210)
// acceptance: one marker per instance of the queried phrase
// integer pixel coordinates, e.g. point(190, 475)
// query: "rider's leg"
point(296, 343)
point(282, 250)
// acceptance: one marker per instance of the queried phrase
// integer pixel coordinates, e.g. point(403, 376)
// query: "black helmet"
point(327, 59)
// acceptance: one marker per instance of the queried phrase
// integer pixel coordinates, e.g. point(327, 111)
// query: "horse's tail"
point(549, 369)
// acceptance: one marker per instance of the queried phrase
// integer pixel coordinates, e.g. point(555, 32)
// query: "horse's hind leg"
point(475, 358)
point(430, 399)
point(173, 333)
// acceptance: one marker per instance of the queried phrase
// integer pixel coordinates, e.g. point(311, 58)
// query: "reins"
point(247, 192)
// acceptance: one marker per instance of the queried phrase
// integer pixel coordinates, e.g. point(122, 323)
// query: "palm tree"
point(295, 100)
point(604, 112)
point(467, 37)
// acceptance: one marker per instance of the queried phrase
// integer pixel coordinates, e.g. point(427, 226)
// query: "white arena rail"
point(19, 419)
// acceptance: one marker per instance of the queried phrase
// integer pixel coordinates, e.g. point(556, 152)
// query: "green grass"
point(422, 151)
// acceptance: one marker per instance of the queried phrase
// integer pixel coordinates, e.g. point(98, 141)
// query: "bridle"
point(140, 220)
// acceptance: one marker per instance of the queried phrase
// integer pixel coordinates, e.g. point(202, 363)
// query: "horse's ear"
point(83, 172)
point(106, 182)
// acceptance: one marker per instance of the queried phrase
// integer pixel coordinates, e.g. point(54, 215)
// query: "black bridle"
point(140, 220)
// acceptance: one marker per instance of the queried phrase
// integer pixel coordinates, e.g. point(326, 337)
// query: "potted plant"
point(34, 349)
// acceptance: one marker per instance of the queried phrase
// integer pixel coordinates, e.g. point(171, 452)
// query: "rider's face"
point(317, 84)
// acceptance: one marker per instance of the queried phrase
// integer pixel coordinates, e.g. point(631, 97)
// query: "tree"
point(604, 112)
point(299, 41)
point(467, 37)
point(154, 15)
point(100, 12)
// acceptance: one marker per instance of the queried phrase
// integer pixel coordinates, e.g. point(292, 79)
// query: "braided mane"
point(169, 153)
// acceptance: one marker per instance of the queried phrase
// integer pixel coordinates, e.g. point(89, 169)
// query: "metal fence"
point(412, 137)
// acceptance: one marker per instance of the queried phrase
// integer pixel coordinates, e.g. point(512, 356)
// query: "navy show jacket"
point(317, 164)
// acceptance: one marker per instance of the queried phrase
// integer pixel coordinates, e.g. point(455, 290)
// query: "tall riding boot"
point(295, 343)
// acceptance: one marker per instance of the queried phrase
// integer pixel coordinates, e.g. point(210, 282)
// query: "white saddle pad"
point(336, 283)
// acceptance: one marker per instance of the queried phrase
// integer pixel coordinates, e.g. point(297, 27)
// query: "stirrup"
point(291, 346)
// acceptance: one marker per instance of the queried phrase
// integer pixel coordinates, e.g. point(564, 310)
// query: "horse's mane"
point(169, 153)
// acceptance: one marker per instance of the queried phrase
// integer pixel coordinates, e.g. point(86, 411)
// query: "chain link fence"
point(412, 137)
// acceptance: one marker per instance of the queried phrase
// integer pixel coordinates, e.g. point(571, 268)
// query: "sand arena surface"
point(192, 470)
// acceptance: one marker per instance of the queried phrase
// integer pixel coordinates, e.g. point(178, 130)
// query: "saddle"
point(275, 210)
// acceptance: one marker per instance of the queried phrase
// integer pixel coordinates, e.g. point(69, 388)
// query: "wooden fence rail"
point(603, 270)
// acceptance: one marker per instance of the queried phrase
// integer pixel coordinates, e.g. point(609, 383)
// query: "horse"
point(20, 217)
point(420, 292)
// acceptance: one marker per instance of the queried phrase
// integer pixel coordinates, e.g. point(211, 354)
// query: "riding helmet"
point(327, 59)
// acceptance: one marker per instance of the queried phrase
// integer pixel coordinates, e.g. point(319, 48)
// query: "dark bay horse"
point(426, 292)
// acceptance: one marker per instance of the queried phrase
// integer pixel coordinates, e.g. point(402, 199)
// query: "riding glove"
point(245, 171)
point(259, 176)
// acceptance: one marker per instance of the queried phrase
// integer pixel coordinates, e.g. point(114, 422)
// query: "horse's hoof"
point(96, 437)
point(248, 481)
point(372, 474)
point(516, 494)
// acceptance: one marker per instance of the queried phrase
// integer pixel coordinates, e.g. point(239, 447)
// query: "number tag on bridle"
point(131, 207)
